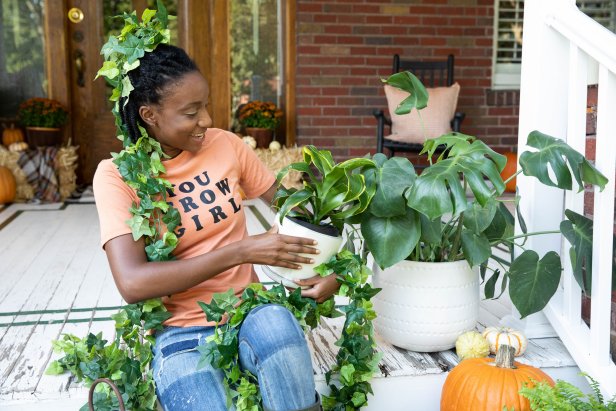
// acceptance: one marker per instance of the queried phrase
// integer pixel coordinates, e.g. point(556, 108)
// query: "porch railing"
point(563, 49)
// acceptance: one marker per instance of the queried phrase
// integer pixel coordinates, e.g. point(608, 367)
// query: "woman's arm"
point(138, 279)
point(321, 288)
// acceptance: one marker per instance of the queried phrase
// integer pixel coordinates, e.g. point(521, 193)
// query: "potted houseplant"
point(331, 193)
point(43, 119)
point(259, 119)
point(417, 226)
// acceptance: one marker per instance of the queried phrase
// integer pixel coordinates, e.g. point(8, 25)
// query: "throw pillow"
point(437, 116)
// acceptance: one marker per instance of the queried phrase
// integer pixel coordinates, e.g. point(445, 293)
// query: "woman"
point(206, 167)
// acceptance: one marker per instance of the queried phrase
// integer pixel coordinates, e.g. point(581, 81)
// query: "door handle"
point(80, 68)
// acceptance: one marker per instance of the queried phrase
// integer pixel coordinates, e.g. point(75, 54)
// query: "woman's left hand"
point(321, 288)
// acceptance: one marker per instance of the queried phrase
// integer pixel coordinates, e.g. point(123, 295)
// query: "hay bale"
point(65, 166)
point(275, 160)
point(24, 190)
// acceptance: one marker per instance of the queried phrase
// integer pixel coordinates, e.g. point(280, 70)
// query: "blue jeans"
point(272, 346)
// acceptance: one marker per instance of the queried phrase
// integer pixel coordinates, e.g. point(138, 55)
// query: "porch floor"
point(55, 279)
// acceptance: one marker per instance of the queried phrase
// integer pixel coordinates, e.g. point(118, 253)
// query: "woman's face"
point(181, 118)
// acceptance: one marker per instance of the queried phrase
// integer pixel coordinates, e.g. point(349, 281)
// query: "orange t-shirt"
point(206, 192)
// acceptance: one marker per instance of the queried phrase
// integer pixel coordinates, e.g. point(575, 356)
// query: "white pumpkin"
point(250, 141)
point(498, 336)
point(18, 146)
point(274, 146)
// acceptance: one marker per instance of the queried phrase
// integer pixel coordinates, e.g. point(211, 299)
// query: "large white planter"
point(425, 306)
point(327, 245)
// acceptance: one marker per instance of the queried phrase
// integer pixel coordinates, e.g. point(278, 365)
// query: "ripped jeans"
point(272, 346)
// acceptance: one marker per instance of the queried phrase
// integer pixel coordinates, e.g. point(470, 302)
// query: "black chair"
point(431, 74)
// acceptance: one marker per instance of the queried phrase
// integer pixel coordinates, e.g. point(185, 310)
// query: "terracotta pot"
point(263, 136)
point(43, 136)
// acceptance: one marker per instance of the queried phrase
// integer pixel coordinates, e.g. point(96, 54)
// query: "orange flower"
point(42, 112)
point(260, 114)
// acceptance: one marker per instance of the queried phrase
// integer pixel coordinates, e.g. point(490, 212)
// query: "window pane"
point(22, 57)
point(509, 34)
point(602, 11)
point(254, 30)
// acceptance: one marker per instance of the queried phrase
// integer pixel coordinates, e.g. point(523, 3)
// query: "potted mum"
point(419, 227)
point(331, 194)
point(43, 119)
point(259, 119)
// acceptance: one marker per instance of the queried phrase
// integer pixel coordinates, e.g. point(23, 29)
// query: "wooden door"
point(93, 128)
point(201, 29)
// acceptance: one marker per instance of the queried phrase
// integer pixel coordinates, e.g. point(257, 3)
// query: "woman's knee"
point(270, 327)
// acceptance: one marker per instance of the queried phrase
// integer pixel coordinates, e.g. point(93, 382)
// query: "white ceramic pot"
point(328, 246)
point(425, 306)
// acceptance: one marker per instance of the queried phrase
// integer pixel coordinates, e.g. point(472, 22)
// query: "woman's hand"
point(271, 248)
point(321, 288)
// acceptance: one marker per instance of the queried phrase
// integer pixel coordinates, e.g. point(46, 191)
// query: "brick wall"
point(344, 47)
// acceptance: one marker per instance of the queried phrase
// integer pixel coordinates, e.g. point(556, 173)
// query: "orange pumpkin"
point(8, 186)
point(509, 170)
point(487, 384)
point(12, 135)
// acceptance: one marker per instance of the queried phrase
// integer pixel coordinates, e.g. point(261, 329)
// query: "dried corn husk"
point(66, 164)
point(275, 160)
point(9, 159)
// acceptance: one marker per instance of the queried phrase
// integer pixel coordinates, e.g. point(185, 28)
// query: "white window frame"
point(505, 76)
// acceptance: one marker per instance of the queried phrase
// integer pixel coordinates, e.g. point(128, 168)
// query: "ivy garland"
point(356, 360)
point(126, 360)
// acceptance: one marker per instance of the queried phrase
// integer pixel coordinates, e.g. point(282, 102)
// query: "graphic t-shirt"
point(206, 192)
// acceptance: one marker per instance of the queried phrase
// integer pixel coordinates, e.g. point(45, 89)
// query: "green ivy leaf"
point(109, 70)
point(55, 368)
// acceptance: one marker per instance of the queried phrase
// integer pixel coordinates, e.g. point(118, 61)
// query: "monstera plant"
point(454, 210)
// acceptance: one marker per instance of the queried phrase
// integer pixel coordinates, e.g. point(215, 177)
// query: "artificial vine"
point(126, 360)
point(356, 360)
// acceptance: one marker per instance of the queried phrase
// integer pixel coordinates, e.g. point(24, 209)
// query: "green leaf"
point(109, 70)
point(478, 218)
point(552, 153)
point(395, 176)
point(438, 190)
point(476, 247)
point(147, 15)
point(533, 282)
point(212, 311)
point(431, 230)
point(346, 374)
point(418, 95)
point(402, 231)
point(578, 231)
point(490, 285)
point(55, 368)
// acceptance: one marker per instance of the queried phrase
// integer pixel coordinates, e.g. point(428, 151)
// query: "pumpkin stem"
point(505, 356)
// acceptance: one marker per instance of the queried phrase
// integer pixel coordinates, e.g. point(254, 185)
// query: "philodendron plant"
point(453, 210)
point(332, 192)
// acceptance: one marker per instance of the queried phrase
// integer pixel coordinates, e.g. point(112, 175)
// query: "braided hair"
point(156, 71)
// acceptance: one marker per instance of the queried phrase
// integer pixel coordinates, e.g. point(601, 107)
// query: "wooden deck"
point(55, 279)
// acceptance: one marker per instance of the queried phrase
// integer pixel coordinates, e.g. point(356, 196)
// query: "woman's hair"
point(156, 71)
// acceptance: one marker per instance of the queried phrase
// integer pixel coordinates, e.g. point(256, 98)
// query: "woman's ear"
point(148, 116)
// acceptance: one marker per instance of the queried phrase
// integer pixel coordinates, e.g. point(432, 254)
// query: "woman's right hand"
point(271, 248)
